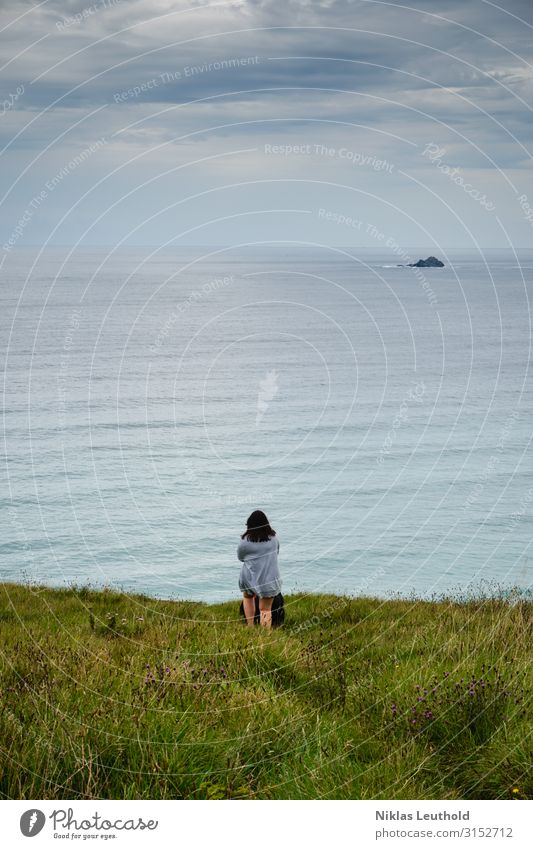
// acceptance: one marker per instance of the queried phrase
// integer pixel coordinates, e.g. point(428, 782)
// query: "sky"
point(363, 123)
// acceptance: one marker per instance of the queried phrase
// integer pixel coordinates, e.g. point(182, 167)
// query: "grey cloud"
point(339, 61)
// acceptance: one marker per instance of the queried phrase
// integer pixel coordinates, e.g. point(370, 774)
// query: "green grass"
point(104, 695)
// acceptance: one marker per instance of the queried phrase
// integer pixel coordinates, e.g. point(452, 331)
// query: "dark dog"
point(278, 611)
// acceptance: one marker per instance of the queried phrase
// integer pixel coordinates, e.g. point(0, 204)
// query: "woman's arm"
point(242, 549)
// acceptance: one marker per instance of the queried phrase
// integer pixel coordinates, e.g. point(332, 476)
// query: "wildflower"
point(516, 790)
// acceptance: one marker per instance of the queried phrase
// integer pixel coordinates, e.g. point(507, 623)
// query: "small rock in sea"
point(430, 262)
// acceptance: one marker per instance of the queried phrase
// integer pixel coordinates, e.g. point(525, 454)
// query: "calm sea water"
point(381, 418)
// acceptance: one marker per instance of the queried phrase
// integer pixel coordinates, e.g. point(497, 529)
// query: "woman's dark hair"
point(258, 528)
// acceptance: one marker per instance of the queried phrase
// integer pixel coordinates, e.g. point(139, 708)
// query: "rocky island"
point(430, 262)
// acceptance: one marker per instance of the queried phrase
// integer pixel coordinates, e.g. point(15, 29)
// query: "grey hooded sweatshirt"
point(259, 571)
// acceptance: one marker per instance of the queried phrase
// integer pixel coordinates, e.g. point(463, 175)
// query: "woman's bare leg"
point(248, 602)
point(265, 612)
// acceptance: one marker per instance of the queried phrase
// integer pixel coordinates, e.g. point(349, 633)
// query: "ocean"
point(381, 416)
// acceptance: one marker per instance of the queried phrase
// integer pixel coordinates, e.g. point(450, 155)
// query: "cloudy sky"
point(342, 122)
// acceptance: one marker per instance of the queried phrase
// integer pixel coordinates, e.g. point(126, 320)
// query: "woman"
point(259, 576)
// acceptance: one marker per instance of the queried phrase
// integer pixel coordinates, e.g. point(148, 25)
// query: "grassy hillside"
point(105, 695)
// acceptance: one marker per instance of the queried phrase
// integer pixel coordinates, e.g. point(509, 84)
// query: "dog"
point(278, 611)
